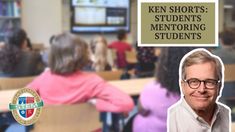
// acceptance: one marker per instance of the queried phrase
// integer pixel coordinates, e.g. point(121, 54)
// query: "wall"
point(41, 19)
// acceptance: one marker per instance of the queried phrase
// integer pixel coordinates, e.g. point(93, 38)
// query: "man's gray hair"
point(199, 57)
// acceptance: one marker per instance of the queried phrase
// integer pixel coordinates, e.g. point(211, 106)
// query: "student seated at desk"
point(227, 55)
point(65, 83)
point(99, 51)
point(159, 95)
point(121, 46)
point(16, 59)
point(227, 50)
point(146, 61)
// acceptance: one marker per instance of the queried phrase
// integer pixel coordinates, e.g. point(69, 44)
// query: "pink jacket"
point(80, 87)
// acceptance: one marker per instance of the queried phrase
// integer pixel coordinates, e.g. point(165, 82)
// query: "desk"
point(229, 73)
point(132, 86)
point(233, 127)
point(6, 97)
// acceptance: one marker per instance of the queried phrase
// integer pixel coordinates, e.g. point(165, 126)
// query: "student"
point(227, 50)
point(121, 46)
point(146, 61)
point(159, 95)
point(16, 60)
point(201, 82)
point(227, 55)
point(65, 83)
point(98, 49)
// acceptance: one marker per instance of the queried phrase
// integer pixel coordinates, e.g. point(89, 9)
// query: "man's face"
point(201, 98)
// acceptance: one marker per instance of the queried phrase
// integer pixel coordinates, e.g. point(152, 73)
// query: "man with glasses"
point(201, 82)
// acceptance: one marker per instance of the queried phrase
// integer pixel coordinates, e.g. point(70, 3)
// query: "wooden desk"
point(110, 75)
point(6, 97)
point(132, 86)
point(233, 126)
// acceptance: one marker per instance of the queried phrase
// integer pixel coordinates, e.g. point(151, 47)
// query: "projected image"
point(116, 16)
point(100, 15)
point(90, 16)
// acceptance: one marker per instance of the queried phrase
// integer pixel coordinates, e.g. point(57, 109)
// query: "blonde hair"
point(99, 52)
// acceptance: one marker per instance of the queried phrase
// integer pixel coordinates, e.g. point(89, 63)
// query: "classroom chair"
point(8, 83)
point(68, 118)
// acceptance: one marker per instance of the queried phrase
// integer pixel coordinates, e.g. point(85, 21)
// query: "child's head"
point(121, 35)
point(68, 54)
point(98, 42)
point(18, 38)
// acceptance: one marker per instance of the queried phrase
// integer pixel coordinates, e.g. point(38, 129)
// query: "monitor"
point(99, 16)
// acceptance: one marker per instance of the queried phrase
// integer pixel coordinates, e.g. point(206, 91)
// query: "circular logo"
point(26, 106)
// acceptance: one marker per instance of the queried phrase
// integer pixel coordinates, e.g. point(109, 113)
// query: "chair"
point(68, 118)
point(38, 47)
point(131, 57)
point(14, 82)
point(229, 82)
point(229, 72)
point(110, 75)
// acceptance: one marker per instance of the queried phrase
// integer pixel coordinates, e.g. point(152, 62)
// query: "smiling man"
point(201, 81)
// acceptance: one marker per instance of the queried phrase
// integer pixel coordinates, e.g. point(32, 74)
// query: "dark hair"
point(68, 54)
point(9, 57)
point(11, 52)
point(29, 44)
point(121, 34)
point(17, 37)
point(227, 37)
point(168, 67)
point(51, 39)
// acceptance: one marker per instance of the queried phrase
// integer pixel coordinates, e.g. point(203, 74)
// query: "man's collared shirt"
point(182, 118)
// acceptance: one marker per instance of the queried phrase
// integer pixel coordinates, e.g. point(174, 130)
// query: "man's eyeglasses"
point(195, 83)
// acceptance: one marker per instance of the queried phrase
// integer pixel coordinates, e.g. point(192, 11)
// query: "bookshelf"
point(10, 16)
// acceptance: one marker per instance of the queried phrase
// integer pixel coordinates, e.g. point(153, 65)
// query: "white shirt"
point(182, 118)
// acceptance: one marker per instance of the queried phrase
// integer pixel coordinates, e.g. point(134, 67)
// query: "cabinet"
point(10, 16)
